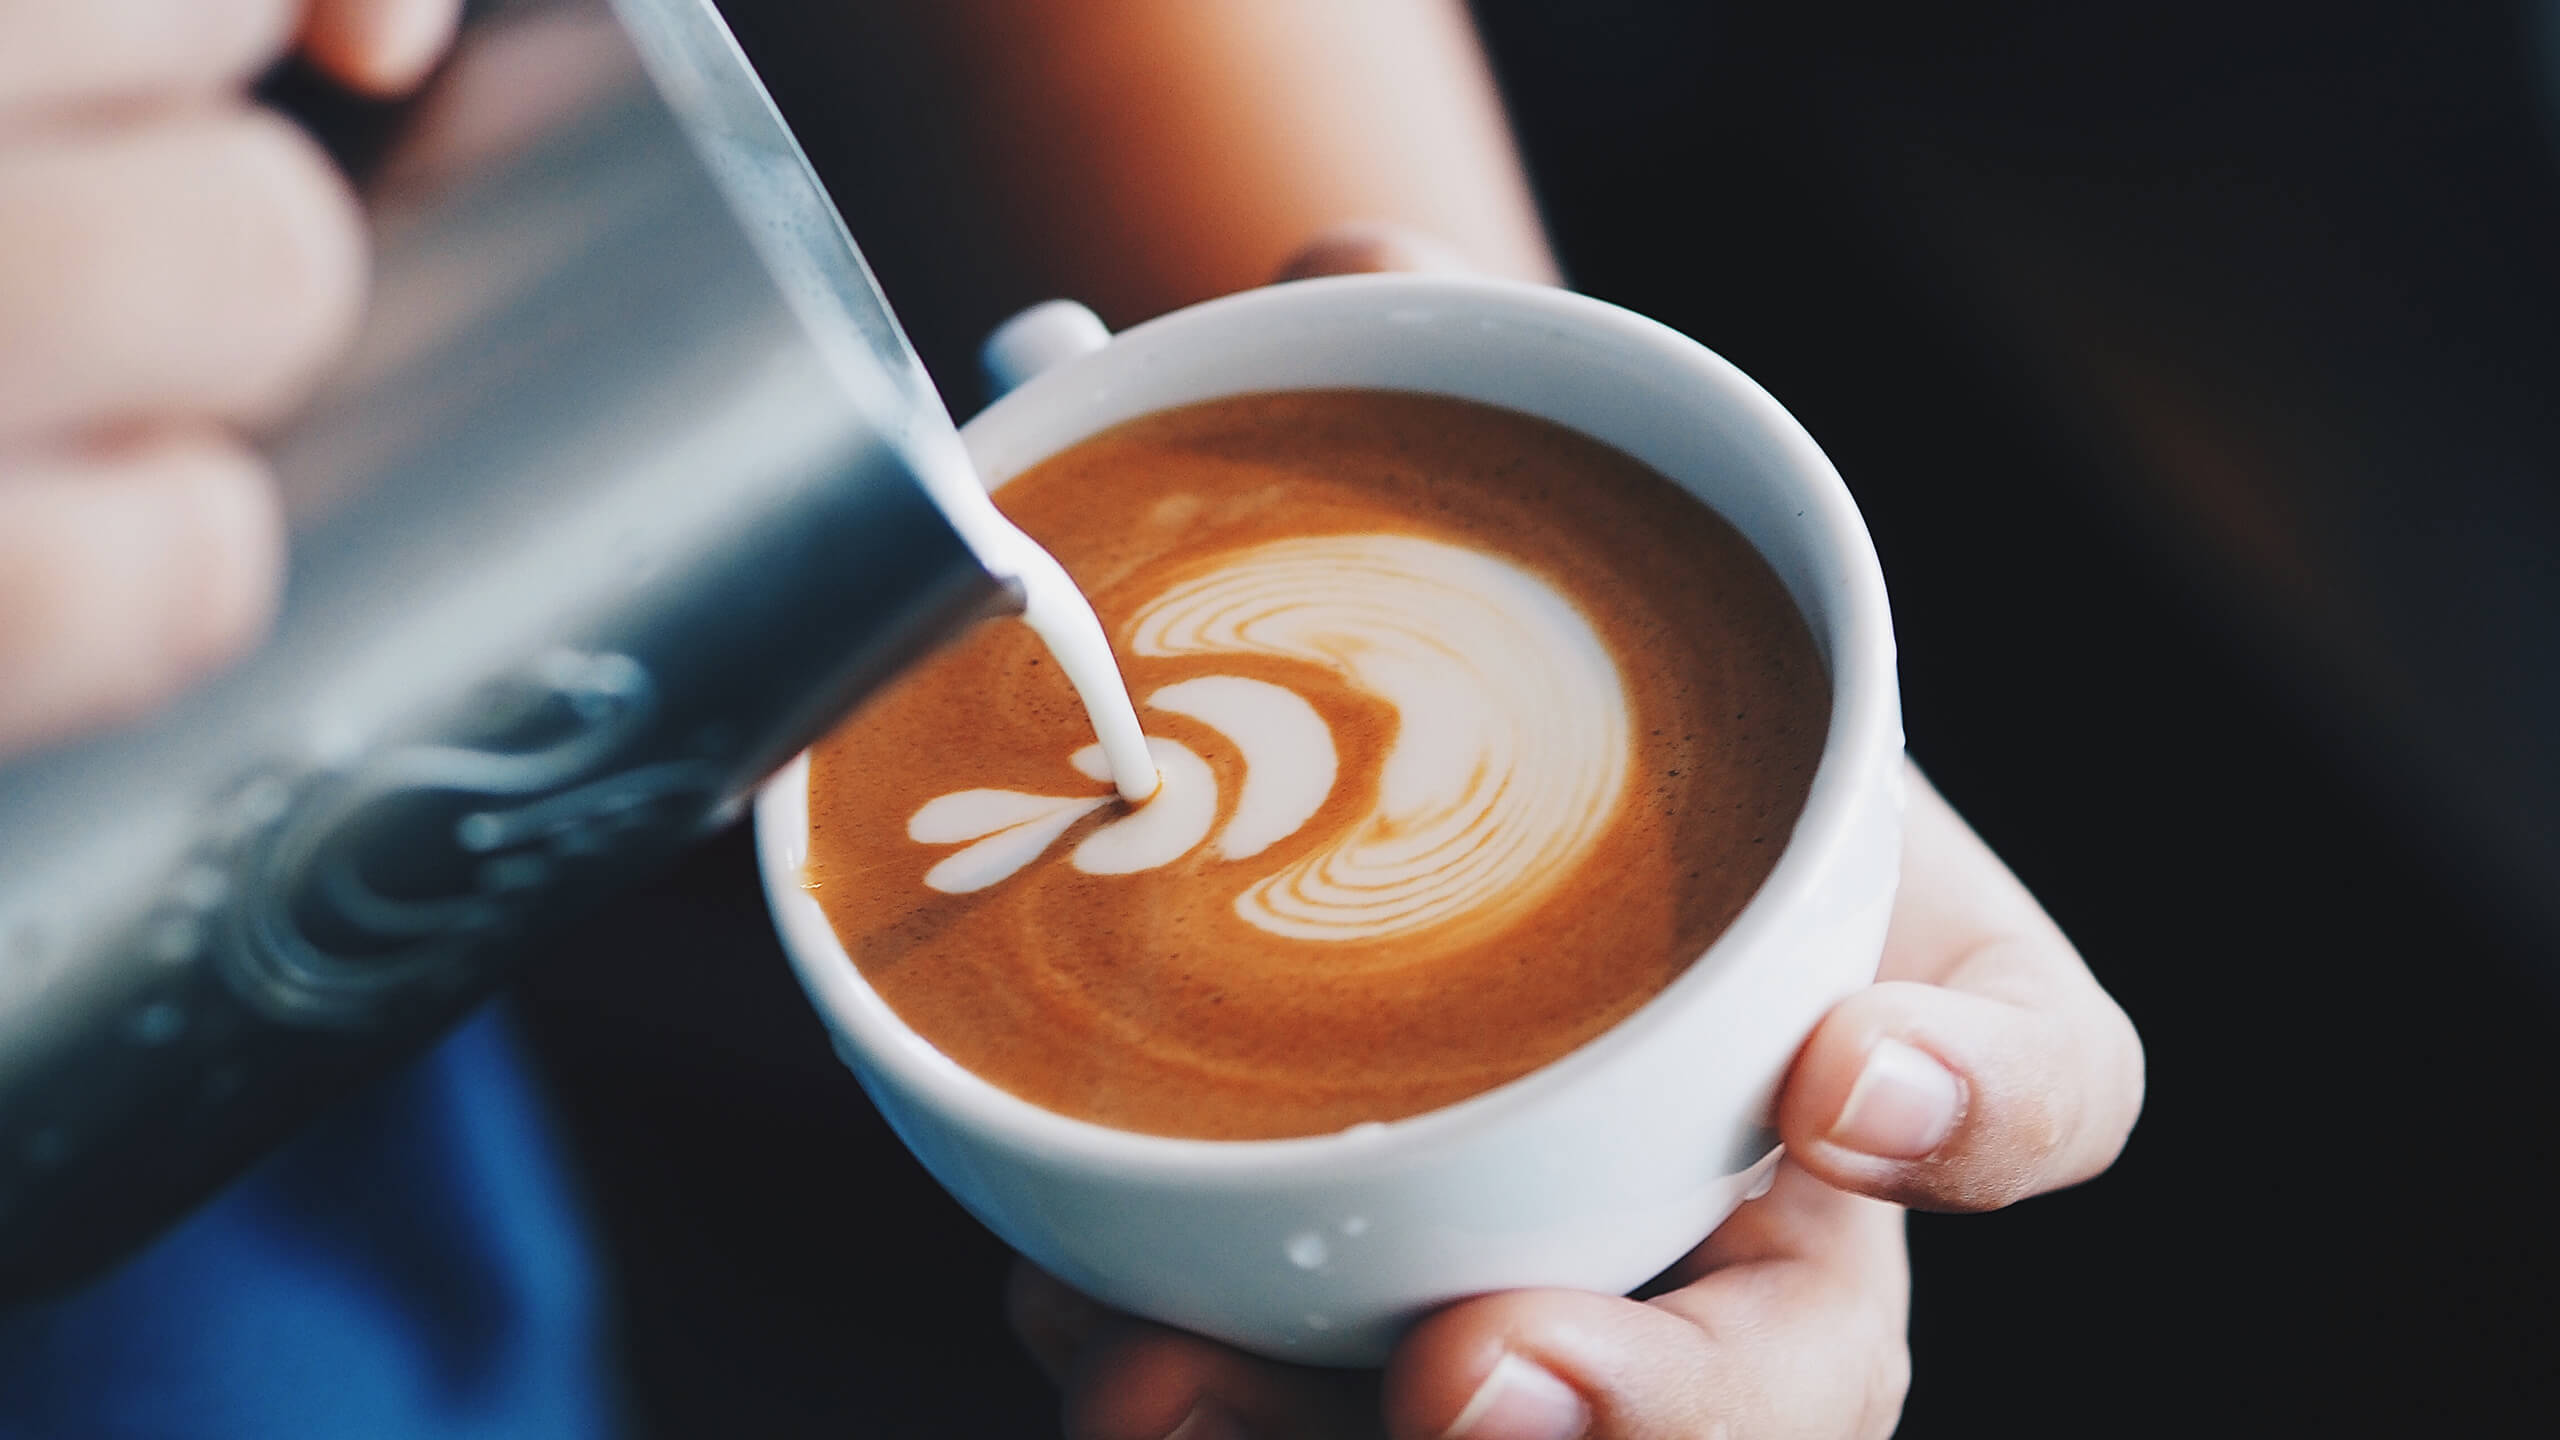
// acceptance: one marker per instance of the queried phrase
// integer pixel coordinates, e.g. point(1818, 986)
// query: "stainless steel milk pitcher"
point(613, 508)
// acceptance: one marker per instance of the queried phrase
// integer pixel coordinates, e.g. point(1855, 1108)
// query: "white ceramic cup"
point(1594, 1172)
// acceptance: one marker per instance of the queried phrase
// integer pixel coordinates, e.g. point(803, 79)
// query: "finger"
point(1803, 1337)
point(1139, 1381)
point(1126, 1379)
point(1368, 247)
point(126, 573)
point(202, 267)
point(1999, 1071)
point(71, 52)
point(1942, 1100)
point(1052, 1320)
point(380, 46)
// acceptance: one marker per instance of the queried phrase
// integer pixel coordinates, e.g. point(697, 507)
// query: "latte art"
point(1012, 828)
point(1289, 755)
point(1289, 765)
point(1510, 750)
point(1511, 741)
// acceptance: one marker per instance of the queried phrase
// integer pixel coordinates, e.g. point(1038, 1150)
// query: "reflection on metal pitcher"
point(382, 882)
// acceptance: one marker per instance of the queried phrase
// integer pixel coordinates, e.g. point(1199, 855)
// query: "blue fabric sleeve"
point(414, 1267)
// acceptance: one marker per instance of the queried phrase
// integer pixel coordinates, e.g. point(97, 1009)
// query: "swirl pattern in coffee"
point(1510, 750)
point(1510, 747)
point(1473, 734)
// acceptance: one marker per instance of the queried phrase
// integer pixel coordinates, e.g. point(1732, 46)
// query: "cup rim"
point(1863, 738)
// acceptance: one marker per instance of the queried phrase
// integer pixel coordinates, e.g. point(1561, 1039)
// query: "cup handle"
point(1038, 338)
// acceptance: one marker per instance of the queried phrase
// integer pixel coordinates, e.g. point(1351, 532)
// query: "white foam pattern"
point(1513, 736)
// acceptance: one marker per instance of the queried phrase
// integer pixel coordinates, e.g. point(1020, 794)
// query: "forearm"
point(1143, 154)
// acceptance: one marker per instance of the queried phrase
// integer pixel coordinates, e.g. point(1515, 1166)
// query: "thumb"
point(1944, 1099)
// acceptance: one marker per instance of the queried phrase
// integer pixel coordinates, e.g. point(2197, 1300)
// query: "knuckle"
point(2110, 1094)
point(2128, 1079)
point(2033, 1127)
point(2023, 1130)
point(2036, 1129)
point(2013, 1160)
point(1998, 1161)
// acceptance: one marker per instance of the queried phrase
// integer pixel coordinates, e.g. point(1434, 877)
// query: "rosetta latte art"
point(1510, 755)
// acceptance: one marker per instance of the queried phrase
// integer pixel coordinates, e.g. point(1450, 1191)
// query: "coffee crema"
point(1473, 734)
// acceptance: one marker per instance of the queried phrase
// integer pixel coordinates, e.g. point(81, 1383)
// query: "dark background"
point(2195, 367)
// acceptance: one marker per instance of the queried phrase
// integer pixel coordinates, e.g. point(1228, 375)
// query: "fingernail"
point(1208, 1420)
point(1903, 1106)
point(1519, 1401)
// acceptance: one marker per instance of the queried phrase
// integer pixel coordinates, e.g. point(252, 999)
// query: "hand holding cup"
point(1985, 1066)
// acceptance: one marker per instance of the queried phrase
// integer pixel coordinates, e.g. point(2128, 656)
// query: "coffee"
point(1474, 733)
